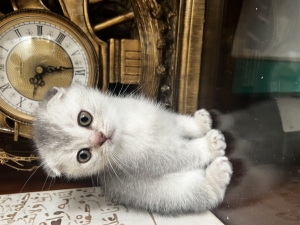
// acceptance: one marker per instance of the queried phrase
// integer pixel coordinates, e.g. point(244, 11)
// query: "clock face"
point(37, 53)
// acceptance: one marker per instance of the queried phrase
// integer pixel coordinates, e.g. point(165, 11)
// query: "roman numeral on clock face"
point(5, 87)
point(77, 52)
point(39, 30)
point(18, 33)
point(22, 99)
point(3, 48)
point(79, 72)
point(60, 38)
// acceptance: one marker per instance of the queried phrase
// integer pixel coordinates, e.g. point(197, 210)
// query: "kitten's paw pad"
point(203, 118)
point(216, 142)
point(221, 170)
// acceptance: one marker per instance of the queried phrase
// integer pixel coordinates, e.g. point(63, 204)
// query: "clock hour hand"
point(37, 80)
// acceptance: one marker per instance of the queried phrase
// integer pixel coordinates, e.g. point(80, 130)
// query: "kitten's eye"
point(84, 119)
point(84, 155)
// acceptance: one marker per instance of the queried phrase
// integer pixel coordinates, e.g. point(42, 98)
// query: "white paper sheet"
point(83, 206)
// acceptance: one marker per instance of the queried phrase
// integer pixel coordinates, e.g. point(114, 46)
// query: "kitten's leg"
point(182, 192)
point(196, 126)
point(203, 151)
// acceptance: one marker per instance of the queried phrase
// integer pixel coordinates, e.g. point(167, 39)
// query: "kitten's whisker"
point(139, 87)
point(98, 180)
point(104, 180)
point(109, 169)
point(121, 90)
point(45, 182)
point(93, 183)
point(51, 183)
point(136, 90)
point(115, 171)
point(127, 87)
point(116, 156)
point(118, 163)
point(115, 88)
point(30, 177)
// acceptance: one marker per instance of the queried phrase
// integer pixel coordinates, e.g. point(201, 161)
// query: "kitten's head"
point(73, 131)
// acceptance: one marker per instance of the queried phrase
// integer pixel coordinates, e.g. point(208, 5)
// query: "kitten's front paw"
point(220, 170)
point(204, 120)
point(216, 143)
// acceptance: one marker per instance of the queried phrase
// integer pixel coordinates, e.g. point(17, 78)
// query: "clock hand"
point(51, 69)
point(37, 80)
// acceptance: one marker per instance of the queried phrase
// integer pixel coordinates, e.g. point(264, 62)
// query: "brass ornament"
point(16, 162)
point(14, 154)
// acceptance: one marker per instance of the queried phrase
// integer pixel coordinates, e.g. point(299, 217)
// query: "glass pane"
point(251, 76)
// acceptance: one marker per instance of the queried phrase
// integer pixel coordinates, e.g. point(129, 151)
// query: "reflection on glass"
point(257, 97)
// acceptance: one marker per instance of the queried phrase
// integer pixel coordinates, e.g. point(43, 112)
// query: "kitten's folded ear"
point(52, 94)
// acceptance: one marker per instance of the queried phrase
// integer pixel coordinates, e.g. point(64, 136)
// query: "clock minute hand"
point(52, 69)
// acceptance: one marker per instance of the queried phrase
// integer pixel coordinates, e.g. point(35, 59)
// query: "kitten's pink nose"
point(100, 139)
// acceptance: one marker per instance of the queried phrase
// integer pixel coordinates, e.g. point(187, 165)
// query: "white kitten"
point(145, 156)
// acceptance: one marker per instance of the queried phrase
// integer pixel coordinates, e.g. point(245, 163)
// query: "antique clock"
point(43, 46)
point(38, 50)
